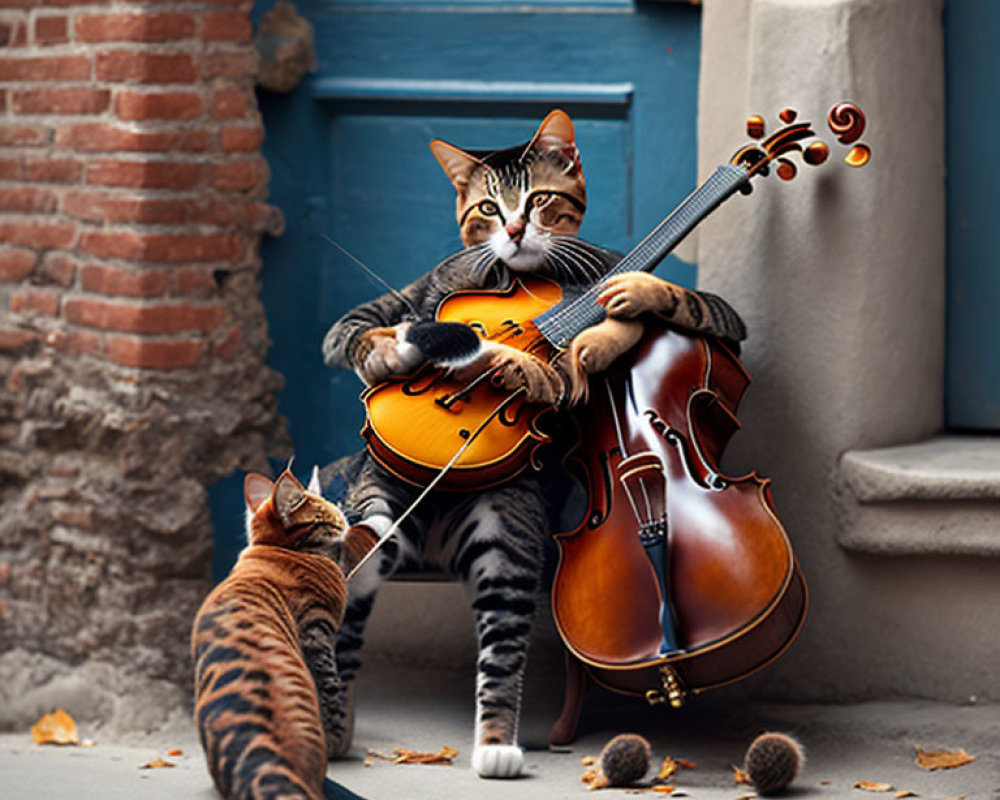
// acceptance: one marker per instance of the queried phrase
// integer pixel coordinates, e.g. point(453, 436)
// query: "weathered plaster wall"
point(131, 341)
point(840, 276)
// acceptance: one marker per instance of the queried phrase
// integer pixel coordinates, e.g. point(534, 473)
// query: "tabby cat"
point(262, 642)
point(519, 210)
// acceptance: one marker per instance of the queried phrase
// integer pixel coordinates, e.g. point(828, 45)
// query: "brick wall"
point(131, 332)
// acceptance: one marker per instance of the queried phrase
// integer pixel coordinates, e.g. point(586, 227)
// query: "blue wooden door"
point(349, 156)
point(973, 347)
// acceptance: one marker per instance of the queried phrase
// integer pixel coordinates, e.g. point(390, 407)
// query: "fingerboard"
point(570, 316)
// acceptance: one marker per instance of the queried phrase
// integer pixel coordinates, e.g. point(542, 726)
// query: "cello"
point(679, 578)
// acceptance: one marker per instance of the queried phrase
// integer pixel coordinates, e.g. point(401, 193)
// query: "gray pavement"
point(424, 711)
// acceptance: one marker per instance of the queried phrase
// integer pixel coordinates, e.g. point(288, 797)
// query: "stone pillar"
point(840, 275)
point(131, 340)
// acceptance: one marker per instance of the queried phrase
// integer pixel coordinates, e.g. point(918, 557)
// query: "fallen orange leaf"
point(665, 789)
point(873, 786)
point(588, 761)
point(403, 756)
point(943, 759)
point(669, 768)
point(683, 762)
point(740, 776)
point(56, 728)
point(156, 763)
point(175, 752)
point(905, 793)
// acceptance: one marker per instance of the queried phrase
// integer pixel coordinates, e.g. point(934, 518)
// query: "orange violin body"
point(417, 423)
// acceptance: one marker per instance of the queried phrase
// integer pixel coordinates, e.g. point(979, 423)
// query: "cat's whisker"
point(586, 265)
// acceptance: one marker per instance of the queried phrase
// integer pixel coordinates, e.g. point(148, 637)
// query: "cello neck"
point(569, 317)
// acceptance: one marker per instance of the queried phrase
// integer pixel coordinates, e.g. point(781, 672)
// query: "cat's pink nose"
point(515, 230)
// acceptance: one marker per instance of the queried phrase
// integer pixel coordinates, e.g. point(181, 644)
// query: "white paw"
point(497, 760)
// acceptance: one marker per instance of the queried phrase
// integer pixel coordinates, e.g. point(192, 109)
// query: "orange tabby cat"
point(263, 648)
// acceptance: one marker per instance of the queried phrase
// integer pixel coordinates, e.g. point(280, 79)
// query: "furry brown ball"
point(625, 759)
point(772, 762)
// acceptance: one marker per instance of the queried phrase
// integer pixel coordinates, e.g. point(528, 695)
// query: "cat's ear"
point(457, 164)
point(288, 496)
point(556, 131)
point(256, 489)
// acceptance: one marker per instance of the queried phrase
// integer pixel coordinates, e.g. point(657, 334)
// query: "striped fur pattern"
point(519, 211)
point(263, 648)
point(493, 542)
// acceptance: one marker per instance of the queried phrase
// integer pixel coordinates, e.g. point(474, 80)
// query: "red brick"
point(134, 27)
point(226, 26)
point(75, 342)
point(236, 176)
point(9, 32)
point(51, 30)
point(193, 142)
point(125, 282)
point(47, 68)
point(160, 247)
point(140, 67)
point(144, 174)
point(58, 268)
point(20, 3)
point(61, 101)
point(13, 33)
point(13, 340)
point(229, 64)
point(54, 170)
point(95, 137)
point(242, 140)
point(16, 265)
point(132, 351)
point(98, 207)
point(135, 318)
point(229, 104)
point(40, 237)
point(27, 200)
point(158, 105)
point(10, 169)
point(194, 281)
point(23, 135)
point(35, 301)
point(229, 347)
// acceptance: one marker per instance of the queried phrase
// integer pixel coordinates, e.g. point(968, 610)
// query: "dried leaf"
point(156, 763)
point(664, 789)
point(873, 786)
point(595, 779)
point(943, 759)
point(56, 728)
point(683, 762)
point(588, 761)
point(175, 752)
point(905, 793)
point(747, 797)
point(401, 755)
point(669, 768)
point(740, 776)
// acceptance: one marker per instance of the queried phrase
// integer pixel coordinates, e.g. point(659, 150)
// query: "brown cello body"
point(736, 596)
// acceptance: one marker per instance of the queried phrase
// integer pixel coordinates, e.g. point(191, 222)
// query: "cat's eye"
point(489, 208)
